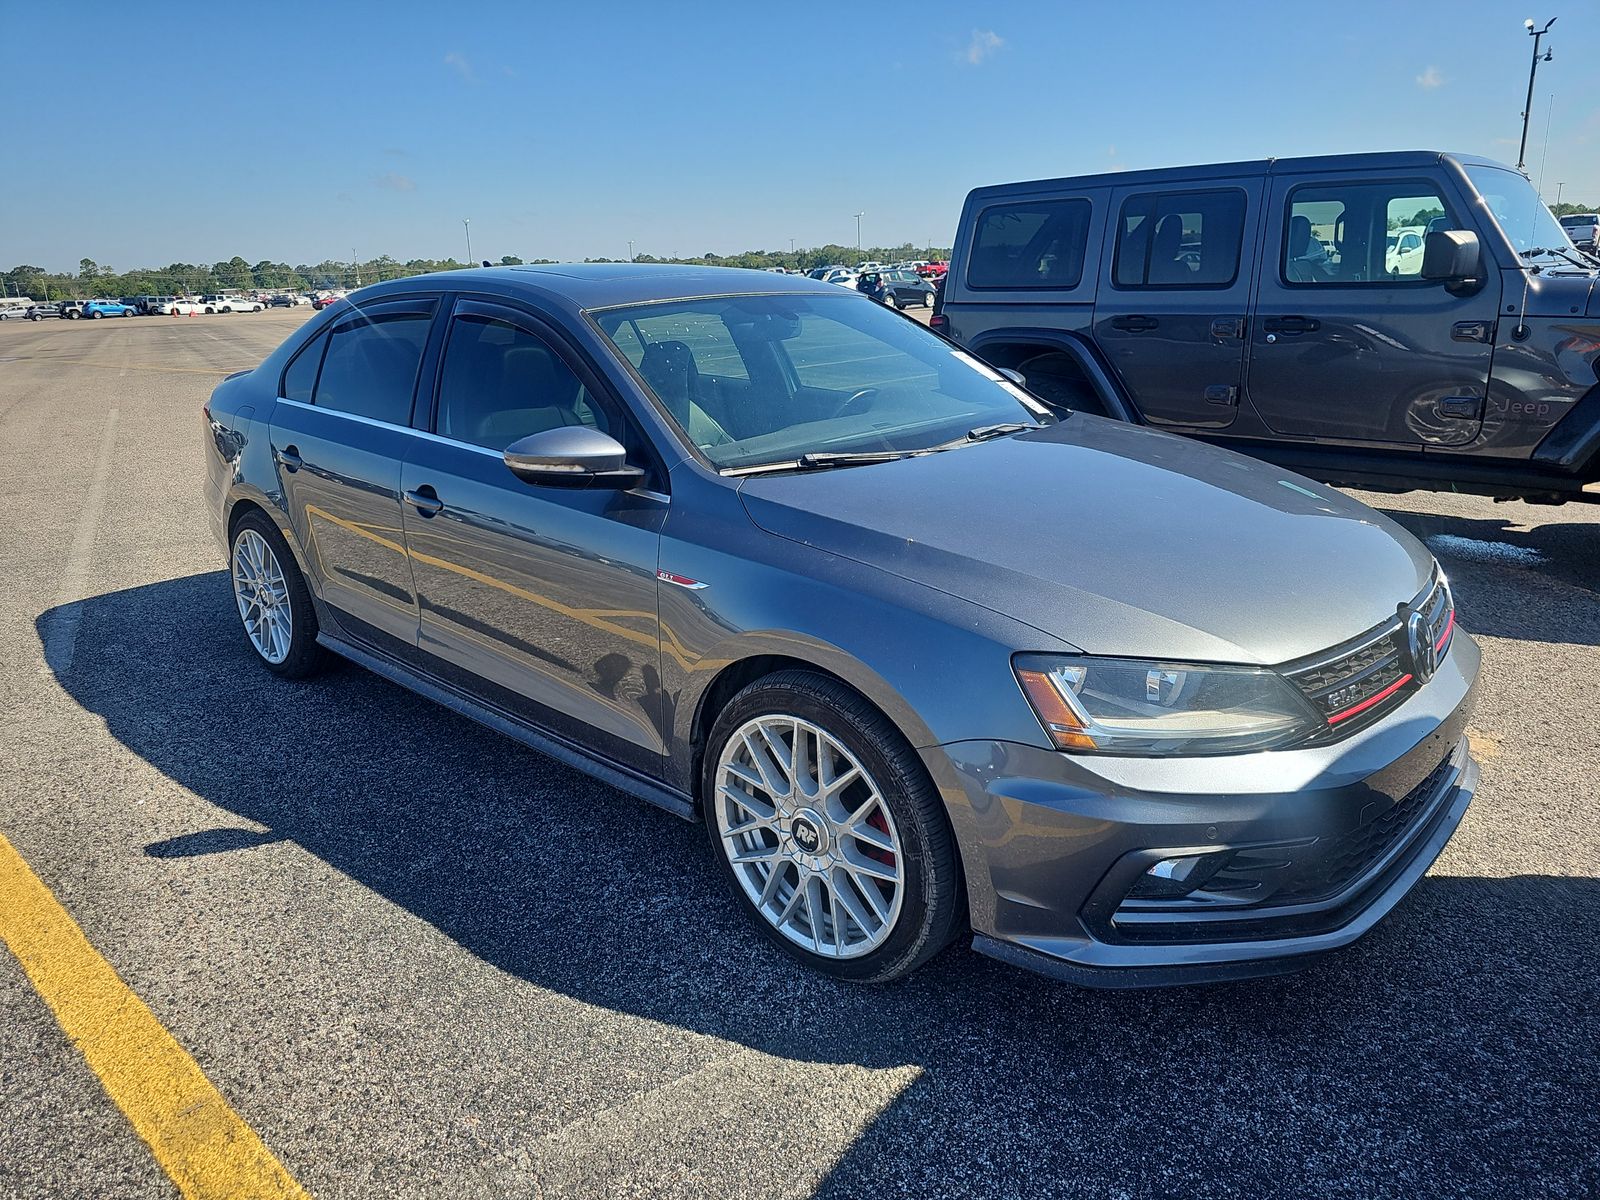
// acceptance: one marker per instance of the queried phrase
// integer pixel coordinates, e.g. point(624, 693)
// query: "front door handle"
point(289, 458)
point(1228, 328)
point(1291, 325)
point(425, 500)
point(1134, 324)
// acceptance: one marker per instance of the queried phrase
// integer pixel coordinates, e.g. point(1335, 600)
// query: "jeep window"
point(1517, 209)
point(1180, 240)
point(1363, 234)
point(1037, 244)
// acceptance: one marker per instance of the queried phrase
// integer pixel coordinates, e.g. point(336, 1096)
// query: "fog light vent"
point(1172, 878)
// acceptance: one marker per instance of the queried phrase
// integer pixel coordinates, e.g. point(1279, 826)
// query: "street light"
point(630, 249)
point(1559, 186)
point(859, 215)
point(1533, 70)
point(466, 223)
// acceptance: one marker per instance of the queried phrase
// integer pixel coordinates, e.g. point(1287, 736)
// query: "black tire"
point(927, 299)
point(305, 657)
point(933, 907)
point(96, 314)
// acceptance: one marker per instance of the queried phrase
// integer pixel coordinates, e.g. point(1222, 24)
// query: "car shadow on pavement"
point(1441, 1055)
point(1512, 582)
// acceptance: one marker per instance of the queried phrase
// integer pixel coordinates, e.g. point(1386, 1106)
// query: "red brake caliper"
point(886, 857)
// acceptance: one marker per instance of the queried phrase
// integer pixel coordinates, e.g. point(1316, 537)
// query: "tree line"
point(236, 274)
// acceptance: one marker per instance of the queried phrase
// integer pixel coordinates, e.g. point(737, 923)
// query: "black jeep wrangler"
point(1388, 321)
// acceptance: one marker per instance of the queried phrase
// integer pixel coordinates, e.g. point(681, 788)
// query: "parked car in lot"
point(322, 302)
point(42, 309)
point(1583, 229)
point(281, 302)
point(907, 288)
point(1204, 300)
point(933, 271)
point(925, 657)
point(172, 306)
point(14, 308)
point(229, 304)
point(95, 309)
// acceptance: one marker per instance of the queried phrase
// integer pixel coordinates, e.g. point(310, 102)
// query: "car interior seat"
point(669, 368)
point(1165, 246)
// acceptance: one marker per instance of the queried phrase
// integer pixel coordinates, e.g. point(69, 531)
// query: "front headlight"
point(1130, 707)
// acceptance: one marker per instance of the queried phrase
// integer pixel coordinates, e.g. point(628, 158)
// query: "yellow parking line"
point(198, 1140)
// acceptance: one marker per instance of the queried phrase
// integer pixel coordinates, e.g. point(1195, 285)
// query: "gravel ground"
point(422, 961)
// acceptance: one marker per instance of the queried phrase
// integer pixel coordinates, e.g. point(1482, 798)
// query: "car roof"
point(1389, 159)
point(602, 285)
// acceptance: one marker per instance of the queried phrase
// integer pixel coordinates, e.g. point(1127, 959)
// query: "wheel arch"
point(1011, 347)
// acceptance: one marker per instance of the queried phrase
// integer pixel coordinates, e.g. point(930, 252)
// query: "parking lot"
point(419, 960)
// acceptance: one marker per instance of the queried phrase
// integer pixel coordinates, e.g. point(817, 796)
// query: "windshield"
point(1517, 209)
point(753, 380)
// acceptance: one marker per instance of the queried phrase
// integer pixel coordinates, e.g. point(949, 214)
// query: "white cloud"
point(461, 65)
point(396, 183)
point(1430, 79)
point(984, 43)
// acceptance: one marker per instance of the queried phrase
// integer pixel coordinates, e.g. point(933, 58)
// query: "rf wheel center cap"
point(808, 835)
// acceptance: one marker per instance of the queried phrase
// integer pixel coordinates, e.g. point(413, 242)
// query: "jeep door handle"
point(1227, 328)
point(289, 458)
point(1291, 325)
point(1134, 324)
point(425, 500)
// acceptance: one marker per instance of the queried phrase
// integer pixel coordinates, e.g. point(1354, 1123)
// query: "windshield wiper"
point(858, 458)
point(984, 432)
point(1554, 252)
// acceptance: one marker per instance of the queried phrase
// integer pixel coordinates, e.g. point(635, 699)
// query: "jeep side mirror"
point(1453, 257)
point(572, 456)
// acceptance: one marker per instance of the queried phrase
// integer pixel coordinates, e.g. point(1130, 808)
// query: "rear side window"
point(1180, 240)
point(370, 368)
point(300, 378)
point(1360, 234)
point(1037, 244)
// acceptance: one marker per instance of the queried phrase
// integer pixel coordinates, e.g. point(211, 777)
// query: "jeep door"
point(1349, 342)
point(1172, 321)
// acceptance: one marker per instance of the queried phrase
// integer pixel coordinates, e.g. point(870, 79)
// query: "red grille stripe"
point(1449, 627)
point(1370, 700)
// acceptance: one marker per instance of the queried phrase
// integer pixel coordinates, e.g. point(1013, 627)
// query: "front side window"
point(1370, 234)
point(500, 383)
point(370, 368)
point(1037, 244)
point(1180, 240)
point(814, 375)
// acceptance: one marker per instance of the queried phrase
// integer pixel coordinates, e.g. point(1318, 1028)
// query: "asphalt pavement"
point(420, 960)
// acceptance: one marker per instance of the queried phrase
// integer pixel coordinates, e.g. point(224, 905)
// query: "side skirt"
point(619, 777)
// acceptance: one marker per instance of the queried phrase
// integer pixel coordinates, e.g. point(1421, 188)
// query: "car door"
point(1351, 343)
point(540, 600)
point(340, 429)
point(1172, 321)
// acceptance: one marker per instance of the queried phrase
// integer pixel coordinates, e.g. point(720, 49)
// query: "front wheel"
point(96, 315)
point(274, 606)
point(828, 829)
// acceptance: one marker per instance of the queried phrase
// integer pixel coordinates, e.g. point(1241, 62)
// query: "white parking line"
point(60, 634)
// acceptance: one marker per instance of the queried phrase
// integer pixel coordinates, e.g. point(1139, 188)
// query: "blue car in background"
point(107, 308)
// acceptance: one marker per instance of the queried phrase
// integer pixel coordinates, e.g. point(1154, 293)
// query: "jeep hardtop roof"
point(1389, 160)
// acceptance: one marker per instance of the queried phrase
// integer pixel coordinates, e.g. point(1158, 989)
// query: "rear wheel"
point(828, 829)
point(270, 594)
point(96, 314)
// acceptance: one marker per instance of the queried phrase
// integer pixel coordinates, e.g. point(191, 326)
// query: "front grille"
point(1358, 683)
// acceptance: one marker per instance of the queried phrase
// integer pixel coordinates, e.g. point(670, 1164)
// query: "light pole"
point(1533, 70)
point(1559, 186)
point(859, 215)
point(466, 223)
point(630, 249)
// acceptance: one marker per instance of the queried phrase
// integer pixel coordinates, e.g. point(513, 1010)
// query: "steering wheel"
point(853, 404)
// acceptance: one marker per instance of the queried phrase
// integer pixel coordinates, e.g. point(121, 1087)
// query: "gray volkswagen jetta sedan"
point(925, 656)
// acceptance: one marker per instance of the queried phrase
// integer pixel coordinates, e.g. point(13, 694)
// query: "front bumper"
point(1321, 844)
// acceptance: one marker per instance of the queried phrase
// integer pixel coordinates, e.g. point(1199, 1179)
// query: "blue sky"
point(142, 134)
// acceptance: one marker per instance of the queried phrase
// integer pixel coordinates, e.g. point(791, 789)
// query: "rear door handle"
point(1134, 324)
point(425, 500)
point(1291, 325)
point(289, 458)
point(1228, 328)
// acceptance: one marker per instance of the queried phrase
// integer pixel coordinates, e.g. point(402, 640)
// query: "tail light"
point(939, 323)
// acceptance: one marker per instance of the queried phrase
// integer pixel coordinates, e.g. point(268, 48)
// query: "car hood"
point(1115, 539)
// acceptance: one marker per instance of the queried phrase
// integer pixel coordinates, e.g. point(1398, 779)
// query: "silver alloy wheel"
point(809, 837)
point(262, 594)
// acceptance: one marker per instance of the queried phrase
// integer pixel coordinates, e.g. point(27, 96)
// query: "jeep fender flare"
point(1116, 400)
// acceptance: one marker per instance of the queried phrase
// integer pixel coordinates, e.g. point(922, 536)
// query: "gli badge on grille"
point(1420, 647)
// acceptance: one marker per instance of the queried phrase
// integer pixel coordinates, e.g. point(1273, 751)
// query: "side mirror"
point(1452, 256)
point(572, 456)
point(1015, 376)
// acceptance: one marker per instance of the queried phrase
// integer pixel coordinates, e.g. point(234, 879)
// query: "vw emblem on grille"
point(1420, 648)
